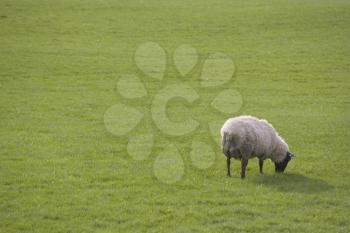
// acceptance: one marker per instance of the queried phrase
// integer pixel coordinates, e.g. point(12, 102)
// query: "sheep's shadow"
point(289, 182)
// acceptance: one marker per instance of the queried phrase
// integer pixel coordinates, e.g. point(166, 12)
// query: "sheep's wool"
point(248, 136)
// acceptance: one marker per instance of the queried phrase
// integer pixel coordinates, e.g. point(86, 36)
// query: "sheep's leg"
point(228, 163)
point(244, 163)
point(261, 164)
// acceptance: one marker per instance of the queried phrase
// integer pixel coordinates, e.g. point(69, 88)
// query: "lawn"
point(63, 169)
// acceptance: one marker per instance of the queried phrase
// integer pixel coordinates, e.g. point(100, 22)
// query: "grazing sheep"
point(245, 137)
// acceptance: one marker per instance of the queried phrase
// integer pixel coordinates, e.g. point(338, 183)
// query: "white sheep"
point(245, 137)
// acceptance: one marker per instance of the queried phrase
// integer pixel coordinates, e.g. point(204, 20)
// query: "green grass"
point(62, 171)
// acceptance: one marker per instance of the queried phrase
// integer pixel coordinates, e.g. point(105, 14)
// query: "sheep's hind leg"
point(261, 164)
point(244, 163)
point(228, 163)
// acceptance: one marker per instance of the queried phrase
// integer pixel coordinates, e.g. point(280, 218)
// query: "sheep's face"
point(281, 166)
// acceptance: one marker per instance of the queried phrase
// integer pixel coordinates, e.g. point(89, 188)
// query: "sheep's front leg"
point(261, 164)
point(228, 163)
point(244, 163)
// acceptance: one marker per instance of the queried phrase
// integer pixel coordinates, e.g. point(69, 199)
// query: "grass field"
point(61, 170)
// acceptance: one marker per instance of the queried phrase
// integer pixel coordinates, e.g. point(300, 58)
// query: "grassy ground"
point(62, 171)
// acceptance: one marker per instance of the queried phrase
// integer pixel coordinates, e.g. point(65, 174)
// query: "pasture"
point(62, 170)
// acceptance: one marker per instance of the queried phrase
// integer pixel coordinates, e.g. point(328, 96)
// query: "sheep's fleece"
point(249, 137)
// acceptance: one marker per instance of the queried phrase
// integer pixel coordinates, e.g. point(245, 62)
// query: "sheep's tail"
point(226, 144)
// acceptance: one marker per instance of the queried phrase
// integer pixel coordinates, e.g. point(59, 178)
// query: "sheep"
point(246, 137)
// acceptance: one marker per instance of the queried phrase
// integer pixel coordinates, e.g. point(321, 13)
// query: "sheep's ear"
point(290, 154)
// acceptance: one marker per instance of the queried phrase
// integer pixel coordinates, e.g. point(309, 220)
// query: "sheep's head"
point(281, 166)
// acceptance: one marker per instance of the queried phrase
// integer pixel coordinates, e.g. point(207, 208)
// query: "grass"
point(62, 171)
